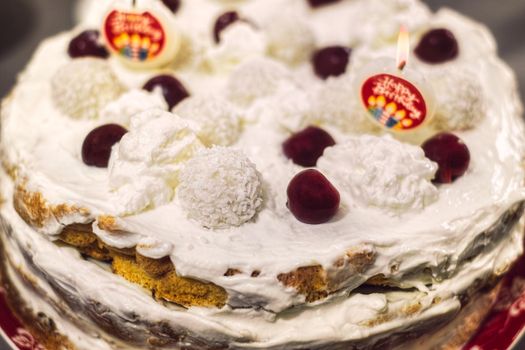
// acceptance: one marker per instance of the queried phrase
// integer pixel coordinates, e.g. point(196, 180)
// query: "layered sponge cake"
point(237, 191)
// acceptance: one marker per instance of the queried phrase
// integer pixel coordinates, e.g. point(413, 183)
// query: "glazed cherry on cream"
point(331, 61)
point(87, 44)
point(450, 153)
point(223, 22)
point(173, 5)
point(97, 145)
point(312, 199)
point(172, 89)
point(307, 146)
point(437, 46)
point(318, 3)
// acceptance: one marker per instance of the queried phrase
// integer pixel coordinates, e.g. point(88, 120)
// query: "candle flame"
point(403, 47)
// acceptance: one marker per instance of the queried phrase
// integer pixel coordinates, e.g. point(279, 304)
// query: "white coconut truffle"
point(217, 119)
point(376, 22)
point(239, 42)
point(460, 100)
point(381, 172)
point(291, 109)
point(129, 104)
point(82, 87)
point(336, 104)
point(255, 79)
point(220, 188)
point(144, 166)
point(290, 39)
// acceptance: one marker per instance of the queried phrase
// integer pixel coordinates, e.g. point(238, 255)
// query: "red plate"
point(501, 330)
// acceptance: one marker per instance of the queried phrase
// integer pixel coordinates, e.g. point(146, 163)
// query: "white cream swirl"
point(144, 166)
point(129, 104)
point(239, 42)
point(381, 172)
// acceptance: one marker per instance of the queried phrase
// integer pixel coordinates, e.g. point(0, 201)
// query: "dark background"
point(24, 23)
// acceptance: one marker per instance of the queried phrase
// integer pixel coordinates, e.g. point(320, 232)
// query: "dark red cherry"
point(173, 5)
point(96, 148)
point(331, 61)
point(437, 46)
point(312, 199)
point(172, 89)
point(317, 3)
point(224, 20)
point(87, 44)
point(307, 146)
point(451, 155)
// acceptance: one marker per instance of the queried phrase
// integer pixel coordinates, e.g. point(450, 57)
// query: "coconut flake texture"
point(144, 166)
point(256, 79)
point(220, 188)
point(290, 39)
point(82, 87)
point(381, 172)
point(460, 100)
point(217, 119)
point(336, 104)
point(129, 104)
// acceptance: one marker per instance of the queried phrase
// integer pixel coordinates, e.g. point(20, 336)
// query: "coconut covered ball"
point(220, 188)
point(129, 104)
point(460, 101)
point(290, 40)
point(84, 86)
point(255, 79)
point(336, 104)
point(218, 121)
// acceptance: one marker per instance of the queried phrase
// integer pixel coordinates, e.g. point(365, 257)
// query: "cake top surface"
point(213, 198)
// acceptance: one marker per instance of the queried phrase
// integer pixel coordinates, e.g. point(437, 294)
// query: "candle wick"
point(402, 65)
point(134, 3)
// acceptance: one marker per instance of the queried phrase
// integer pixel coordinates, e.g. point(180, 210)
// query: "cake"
point(234, 192)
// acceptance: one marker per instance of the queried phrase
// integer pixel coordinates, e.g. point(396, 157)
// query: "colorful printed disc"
point(394, 102)
point(138, 37)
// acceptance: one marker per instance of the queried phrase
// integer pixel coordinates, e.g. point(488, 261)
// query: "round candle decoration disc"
point(394, 102)
point(141, 39)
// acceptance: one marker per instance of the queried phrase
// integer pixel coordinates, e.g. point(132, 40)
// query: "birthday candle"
point(395, 96)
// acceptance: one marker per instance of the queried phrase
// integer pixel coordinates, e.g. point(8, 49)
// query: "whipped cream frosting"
point(436, 235)
point(239, 42)
point(381, 172)
point(144, 165)
point(129, 104)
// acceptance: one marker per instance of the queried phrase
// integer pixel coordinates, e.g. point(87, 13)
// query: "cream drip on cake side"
point(276, 242)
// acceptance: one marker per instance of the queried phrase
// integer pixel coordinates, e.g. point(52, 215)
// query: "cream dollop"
point(290, 38)
point(381, 172)
point(217, 119)
point(82, 87)
point(220, 188)
point(129, 104)
point(256, 79)
point(144, 166)
point(239, 42)
point(460, 100)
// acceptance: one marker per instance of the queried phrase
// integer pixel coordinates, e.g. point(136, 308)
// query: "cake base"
point(453, 331)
